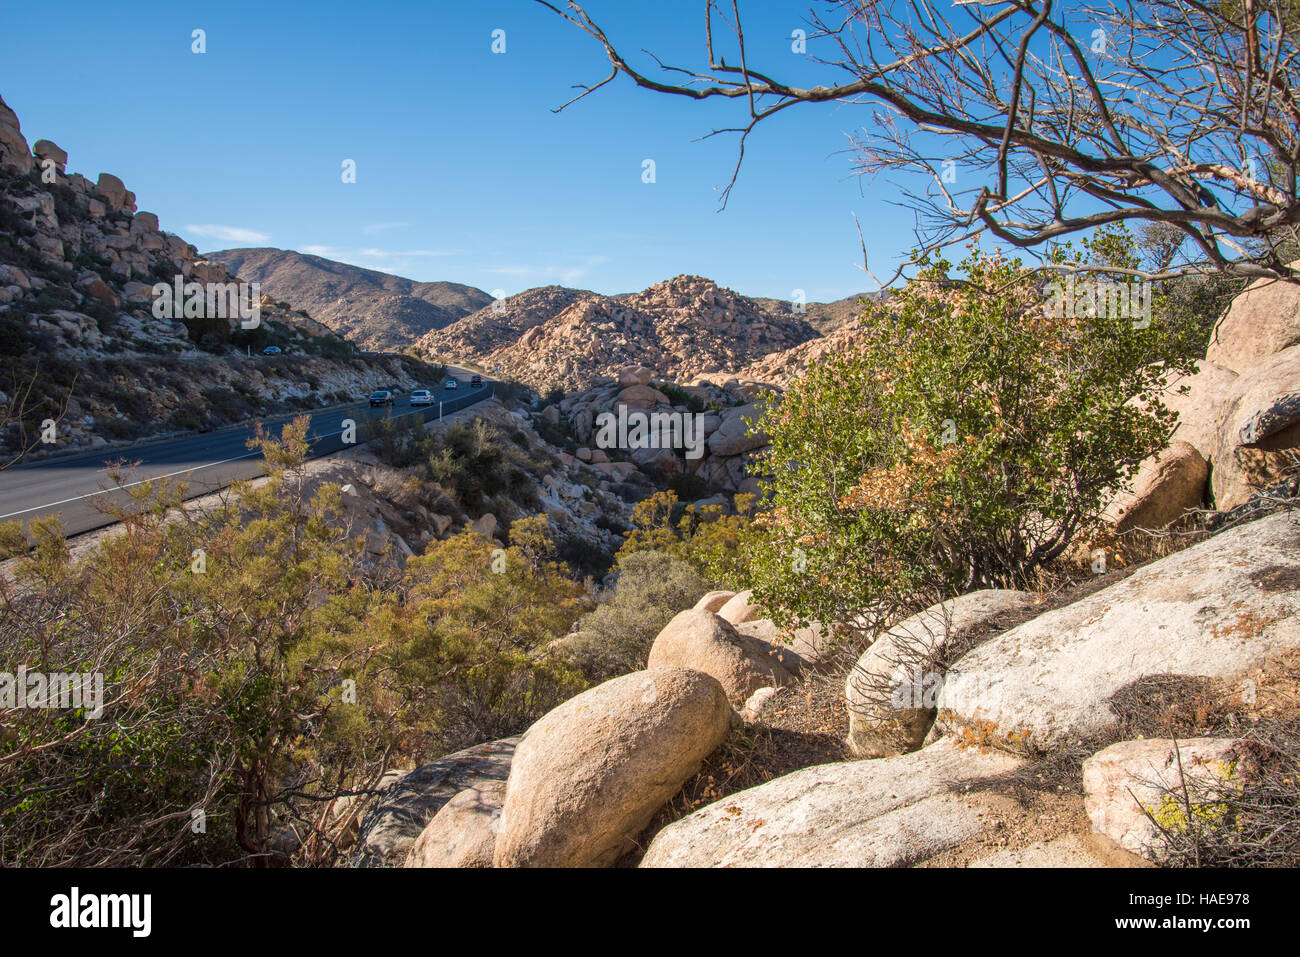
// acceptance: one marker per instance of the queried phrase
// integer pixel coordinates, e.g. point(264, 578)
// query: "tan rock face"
point(738, 609)
point(891, 693)
point(1263, 320)
point(94, 286)
point(713, 601)
point(589, 775)
point(112, 189)
point(1242, 424)
point(1133, 779)
point(1259, 423)
point(14, 152)
point(1199, 400)
point(893, 812)
point(634, 375)
point(44, 150)
point(708, 643)
point(1166, 486)
point(734, 435)
point(464, 832)
point(1218, 609)
point(147, 221)
point(642, 397)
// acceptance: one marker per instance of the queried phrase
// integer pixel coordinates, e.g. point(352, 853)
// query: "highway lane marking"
point(194, 468)
point(106, 491)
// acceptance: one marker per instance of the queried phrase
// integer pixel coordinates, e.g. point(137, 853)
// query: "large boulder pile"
point(1047, 687)
point(729, 443)
point(680, 328)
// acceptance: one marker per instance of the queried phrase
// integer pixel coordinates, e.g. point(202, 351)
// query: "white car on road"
point(421, 397)
point(451, 384)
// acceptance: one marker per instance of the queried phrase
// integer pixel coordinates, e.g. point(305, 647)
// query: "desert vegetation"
point(256, 672)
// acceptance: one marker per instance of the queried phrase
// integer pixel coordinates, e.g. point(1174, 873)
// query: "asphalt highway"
point(75, 487)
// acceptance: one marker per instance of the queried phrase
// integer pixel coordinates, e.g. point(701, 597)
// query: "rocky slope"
point(781, 368)
point(679, 328)
point(374, 309)
point(80, 341)
point(991, 777)
point(501, 323)
point(825, 317)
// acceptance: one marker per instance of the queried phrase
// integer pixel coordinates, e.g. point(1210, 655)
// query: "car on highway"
point(451, 384)
point(381, 397)
point(271, 351)
point(421, 397)
point(476, 382)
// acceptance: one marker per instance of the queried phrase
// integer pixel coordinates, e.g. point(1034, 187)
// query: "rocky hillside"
point(679, 329)
point(501, 323)
point(825, 317)
point(1137, 719)
point(80, 341)
point(374, 309)
point(781, 368)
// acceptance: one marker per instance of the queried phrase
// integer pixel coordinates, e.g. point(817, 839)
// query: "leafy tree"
point(965, 443)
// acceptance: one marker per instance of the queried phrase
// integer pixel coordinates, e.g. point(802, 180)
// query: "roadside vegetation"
point(256, 669)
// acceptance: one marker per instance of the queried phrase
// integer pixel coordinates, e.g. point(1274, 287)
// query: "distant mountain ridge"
point(374, 309)
point(679, 328)
point(555, 335)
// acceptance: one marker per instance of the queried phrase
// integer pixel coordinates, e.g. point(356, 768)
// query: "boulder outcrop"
point(1217, 609)
point(590, 774)
point(708, 643)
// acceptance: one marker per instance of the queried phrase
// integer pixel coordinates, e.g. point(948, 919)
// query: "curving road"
point(71, 486)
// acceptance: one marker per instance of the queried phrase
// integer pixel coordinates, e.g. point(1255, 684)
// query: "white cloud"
point(410, 253)
point(230, 234)
point(343, 254)
point(373, 228)
point(567, 274)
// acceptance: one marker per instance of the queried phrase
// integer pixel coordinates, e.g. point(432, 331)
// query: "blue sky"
point(464, 173)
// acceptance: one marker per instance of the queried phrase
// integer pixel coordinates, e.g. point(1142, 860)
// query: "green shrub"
point(966, 442)
point(616, 637)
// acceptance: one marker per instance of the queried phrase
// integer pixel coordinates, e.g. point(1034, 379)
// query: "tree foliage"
point(966, 442)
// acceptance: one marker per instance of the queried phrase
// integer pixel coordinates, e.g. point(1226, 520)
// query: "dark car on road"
point(476, 382)
point(381, 397)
